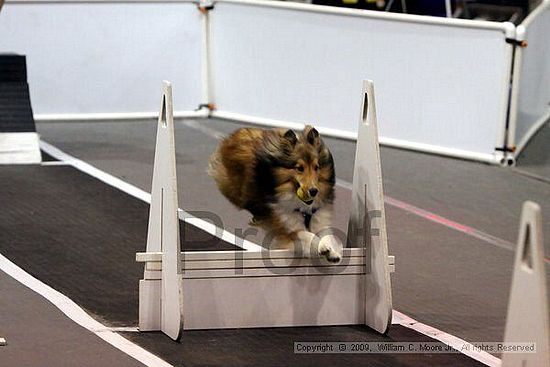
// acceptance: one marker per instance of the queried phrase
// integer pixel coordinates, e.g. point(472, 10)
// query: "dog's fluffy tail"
point(216, 169)
point(214, 163)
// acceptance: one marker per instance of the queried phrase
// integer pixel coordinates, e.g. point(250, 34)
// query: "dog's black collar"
point(307, 214)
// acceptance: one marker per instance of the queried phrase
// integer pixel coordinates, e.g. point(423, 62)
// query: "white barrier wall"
point(443, 84)
point(105, 57)
point(531, 97)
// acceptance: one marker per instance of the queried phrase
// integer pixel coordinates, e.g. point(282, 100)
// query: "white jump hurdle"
point(241, 289)
point(527, 320)
point(163, 231)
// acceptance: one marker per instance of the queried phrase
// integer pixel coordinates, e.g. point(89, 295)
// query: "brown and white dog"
point(286, 181)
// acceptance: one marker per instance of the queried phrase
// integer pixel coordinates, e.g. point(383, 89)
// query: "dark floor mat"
point(275, 347)
point(80, 236)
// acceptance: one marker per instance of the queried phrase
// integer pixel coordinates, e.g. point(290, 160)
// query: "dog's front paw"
point(330, 248)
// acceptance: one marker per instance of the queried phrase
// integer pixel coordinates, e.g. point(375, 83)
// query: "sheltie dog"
point(286, 181)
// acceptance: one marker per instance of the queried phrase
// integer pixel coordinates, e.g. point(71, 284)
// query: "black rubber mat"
point(13, 68)
point(15, 106)
point(275, 347)
point(80, 236)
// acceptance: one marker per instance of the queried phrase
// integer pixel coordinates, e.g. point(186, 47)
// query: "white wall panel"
point(105, 57)
point(439, 85)
point(533, 76)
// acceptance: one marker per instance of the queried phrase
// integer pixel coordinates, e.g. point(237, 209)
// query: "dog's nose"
point(313, 192)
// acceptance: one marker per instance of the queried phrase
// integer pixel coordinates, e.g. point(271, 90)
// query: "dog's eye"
point(300, 168)
point(317, 167)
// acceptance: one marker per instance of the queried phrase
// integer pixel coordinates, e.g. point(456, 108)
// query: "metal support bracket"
point(515, 42)
point(205, 6)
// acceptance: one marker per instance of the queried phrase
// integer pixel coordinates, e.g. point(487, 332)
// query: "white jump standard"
point(163, 232)
point(242, 289)
point(527, 320)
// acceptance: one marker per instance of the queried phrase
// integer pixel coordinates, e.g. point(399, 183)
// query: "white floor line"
point(145, 196)
point(78, 315)
point(54, 163)
point(94, 172)
point(532, 175)
point(459, 344)
point(122, 329)
point(200, 126)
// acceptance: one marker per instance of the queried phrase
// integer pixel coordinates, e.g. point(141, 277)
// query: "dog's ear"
point(290, 135)
point(311, 134)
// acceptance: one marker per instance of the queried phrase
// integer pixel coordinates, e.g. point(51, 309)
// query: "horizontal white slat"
point(150, 274)
point(257, 263)
point(275, 258)
point(231, 255)
point(267, 272)
point(212, 264)
point(263, 272)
